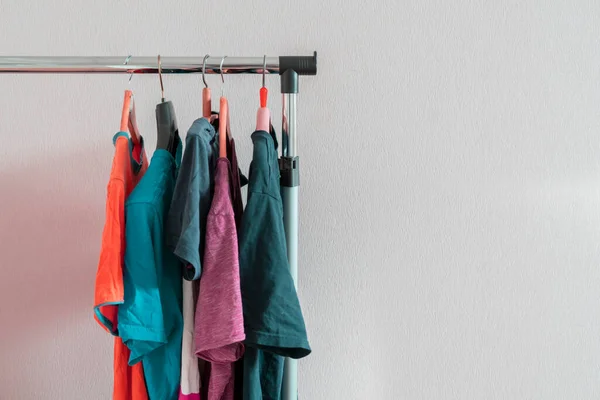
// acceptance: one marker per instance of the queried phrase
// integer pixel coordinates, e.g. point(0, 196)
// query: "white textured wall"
point(450, 188)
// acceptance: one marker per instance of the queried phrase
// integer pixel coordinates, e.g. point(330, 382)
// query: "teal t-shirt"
point(273, 319)
point(150, 320)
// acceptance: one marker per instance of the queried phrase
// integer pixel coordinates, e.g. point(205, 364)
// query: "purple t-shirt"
point(219, 321)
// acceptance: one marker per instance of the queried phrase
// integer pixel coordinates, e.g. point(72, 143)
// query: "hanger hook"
point(204, 70)
point(125, 63)
point(162, 89)
point(221, 68)
point(222, 78)
point(264, 69)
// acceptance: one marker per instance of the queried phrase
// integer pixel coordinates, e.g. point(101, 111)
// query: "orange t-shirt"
point(129, 383)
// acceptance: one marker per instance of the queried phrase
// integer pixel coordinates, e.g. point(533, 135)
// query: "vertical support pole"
point(289, 167)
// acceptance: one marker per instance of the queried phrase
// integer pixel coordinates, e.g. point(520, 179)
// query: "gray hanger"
point(167, 132)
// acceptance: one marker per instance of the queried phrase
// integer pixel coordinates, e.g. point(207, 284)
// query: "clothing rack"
point(289, 69)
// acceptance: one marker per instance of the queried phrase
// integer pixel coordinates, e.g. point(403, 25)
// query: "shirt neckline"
point(135, 165)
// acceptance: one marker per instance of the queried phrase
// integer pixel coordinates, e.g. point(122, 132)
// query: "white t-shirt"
point(190, 374)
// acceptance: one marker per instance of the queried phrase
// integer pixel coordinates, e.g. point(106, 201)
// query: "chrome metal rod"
point(288, 130)
point(292, 148)
point(137, 65)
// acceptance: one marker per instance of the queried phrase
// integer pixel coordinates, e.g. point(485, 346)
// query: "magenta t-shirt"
point(219, 321)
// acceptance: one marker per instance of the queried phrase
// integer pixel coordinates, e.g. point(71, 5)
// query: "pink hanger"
point(223, 118)
point(128, 121)
point(206, 98)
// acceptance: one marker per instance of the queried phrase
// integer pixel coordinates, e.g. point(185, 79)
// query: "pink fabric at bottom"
point(191, 396)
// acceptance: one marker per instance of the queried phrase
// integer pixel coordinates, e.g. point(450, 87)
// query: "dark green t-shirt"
point(273, 319)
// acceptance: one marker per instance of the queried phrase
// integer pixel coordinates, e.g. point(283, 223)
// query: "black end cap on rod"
point(292, 66)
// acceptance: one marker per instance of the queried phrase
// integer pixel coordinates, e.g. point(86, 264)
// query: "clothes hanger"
point(263, 115)
point(223, 117)
point(128, 119)
point(167, 132)
point(206, 98)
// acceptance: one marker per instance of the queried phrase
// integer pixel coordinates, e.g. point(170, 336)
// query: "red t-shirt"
point(129, 383)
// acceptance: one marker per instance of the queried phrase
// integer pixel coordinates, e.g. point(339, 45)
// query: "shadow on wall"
point(50, 231)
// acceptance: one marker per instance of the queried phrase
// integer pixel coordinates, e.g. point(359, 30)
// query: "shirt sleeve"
point(109, 276)
point(272, 315)
point(183, 226)
point(141, 316)
point(219, 316)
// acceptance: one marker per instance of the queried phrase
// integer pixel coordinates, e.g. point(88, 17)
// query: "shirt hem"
point(106, 323)
point(142, 333)
point(288, 346)
point(183, 252)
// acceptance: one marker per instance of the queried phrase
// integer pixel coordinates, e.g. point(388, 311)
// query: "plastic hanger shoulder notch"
point(167, 132)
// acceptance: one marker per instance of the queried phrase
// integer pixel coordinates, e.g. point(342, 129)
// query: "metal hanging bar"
point(303, 65)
